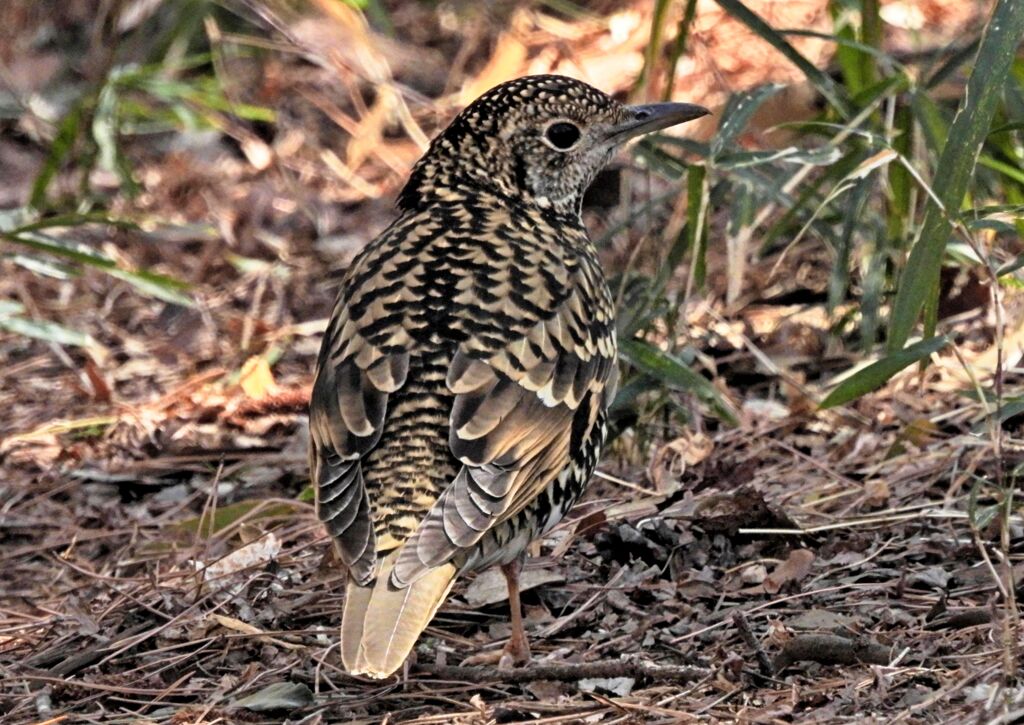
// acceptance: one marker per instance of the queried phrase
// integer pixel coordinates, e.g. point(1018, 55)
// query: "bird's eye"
point(563, 135)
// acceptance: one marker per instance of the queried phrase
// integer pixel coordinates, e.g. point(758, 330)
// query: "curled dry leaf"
point(671, 460)
point(793, 569)
point(254, 554)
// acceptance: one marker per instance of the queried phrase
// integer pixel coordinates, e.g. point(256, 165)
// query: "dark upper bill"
point(654, 117)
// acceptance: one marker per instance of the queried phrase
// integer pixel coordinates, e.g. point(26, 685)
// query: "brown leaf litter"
point(161, 559)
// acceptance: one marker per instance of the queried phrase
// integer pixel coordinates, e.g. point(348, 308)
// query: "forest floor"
point(161, 560)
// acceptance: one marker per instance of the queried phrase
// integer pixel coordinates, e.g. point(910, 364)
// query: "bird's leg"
point(517, 651)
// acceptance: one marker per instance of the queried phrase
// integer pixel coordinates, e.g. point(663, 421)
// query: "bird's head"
point(537, 140)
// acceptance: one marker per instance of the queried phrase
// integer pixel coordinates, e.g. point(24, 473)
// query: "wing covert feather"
point(347, 411)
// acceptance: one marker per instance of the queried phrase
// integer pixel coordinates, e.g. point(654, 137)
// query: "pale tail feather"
point(380, 624)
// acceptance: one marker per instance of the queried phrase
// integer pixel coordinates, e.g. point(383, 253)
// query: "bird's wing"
point(346, 417)
point(518, 414)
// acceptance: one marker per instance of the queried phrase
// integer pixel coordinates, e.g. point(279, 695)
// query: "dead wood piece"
point(566, 672)
point(961, 620)
point(831, 649)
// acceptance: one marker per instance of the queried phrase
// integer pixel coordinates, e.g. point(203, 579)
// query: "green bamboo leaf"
point(76, 253)
point(979, 516)
point(738, 111)
point(845, 41)
point(672, 373)
point(952, 64)
point(821, 80)
point(900, 200)
point(44, 267)
point(918, 286)
point(65, 220)
point(151, 284)
point(878, 373)
point(1007, 127)
point(46, 330)
point(679, 44)
point(158, 286)
point(1011, 266)
point(1002, 167)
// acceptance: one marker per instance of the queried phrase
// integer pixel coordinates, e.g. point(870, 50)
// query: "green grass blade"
point(697, 221)
point(11, 321)
point(672, 373)
point(679, 45)
point(652, 53)
point(67, 133)
point(878, 373)
point(839, 280)
point(956, 164)
point(151, 284)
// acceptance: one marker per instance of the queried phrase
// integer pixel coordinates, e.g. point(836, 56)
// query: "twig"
point(764, 665)
point(566, 672)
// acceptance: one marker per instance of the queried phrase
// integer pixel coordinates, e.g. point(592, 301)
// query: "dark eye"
point(563, 135)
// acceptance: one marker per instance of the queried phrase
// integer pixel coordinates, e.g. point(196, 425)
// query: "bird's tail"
point(380, 623)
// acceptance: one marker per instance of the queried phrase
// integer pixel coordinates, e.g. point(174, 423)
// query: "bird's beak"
point(654, 117)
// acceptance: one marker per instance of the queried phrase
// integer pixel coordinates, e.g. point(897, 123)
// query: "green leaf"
point(225, 516)
point(821, 80)
point(151, 284)
point(45, 330)
point(839, 280)
point(1002, 167)
point(679, 44)
point(1011, 266)
point(738, 111)
point(280, 696)
point(821, 156)
point(672, 373)
point(979, 516)
point(878, 373)
point(919, 283)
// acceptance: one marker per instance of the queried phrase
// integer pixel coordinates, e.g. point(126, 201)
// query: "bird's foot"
point(516, 652)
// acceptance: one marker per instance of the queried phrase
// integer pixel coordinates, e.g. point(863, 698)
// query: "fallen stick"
point(565, 672)
point(764, 665)
point(831, 649)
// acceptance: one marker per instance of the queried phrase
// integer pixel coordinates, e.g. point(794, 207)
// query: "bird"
point(460, 397)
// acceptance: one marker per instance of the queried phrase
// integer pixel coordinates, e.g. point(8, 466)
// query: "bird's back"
point(466, 274)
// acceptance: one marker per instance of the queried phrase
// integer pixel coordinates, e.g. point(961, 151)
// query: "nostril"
point(642, 115)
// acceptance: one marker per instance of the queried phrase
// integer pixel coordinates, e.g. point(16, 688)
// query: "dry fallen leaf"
point(254, 554)
point(793, 569)
point(238, 625)
point(671, 460)
point(256, 379)
point(877, 492)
